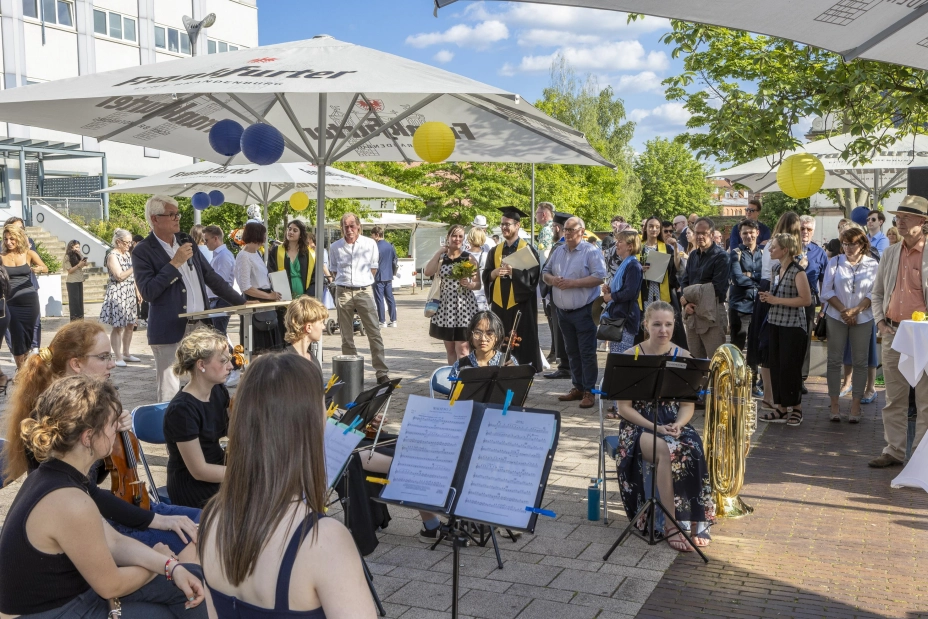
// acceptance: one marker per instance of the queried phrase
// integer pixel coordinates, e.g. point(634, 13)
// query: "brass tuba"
point(731, 419)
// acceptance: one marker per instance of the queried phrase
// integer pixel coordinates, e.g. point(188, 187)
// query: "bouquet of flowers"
point(463, 270)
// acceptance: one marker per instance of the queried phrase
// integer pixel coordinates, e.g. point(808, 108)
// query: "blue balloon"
point(859, 215)
point(200, 200)
point(216, 198)
point(262, 144)
point(225, 137)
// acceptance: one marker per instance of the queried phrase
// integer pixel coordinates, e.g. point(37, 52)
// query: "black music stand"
point(369, 403)
point(489, 384)
point(655, 378)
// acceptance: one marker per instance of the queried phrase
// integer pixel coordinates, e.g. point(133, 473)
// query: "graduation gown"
point(521, 288)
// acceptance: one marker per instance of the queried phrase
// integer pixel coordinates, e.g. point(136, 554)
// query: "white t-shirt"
point(195, 302)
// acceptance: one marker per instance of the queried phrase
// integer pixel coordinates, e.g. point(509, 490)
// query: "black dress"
point(186, 419)
point(23, 308)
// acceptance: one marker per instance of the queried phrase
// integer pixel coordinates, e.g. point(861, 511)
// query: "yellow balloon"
point(433, 142)
point(299, 201)
point(801, 175)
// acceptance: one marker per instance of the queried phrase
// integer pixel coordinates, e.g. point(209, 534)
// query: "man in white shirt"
point(353, 261)
point(223, 262)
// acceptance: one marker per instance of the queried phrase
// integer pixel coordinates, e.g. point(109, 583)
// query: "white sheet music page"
point(338, 447)
point(506, 467)
point(427, 450)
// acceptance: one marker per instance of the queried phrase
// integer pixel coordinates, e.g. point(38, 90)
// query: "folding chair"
point(148, 426)
point(439, 382)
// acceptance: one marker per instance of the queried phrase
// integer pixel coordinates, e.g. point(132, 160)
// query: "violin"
point(121, 464)
point(512, 341)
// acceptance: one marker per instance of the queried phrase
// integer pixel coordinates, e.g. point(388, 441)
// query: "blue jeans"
point(384, 290)
point(580, 340)
point(150, 537)
point(220, 324)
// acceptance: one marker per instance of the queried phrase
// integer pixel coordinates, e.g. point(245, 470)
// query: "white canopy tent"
point(892, 32)
point(368, 104)
point(886, 170)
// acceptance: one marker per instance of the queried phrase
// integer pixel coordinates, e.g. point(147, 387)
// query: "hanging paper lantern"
point(801, 175)
point(225, 137)
point(200, 200)
point(299, 201)
point(216, 198)
point(859, 216)
point(433, 142)
point(262, 144)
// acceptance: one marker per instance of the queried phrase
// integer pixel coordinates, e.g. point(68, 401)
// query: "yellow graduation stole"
point(665, 283)
point(497, 287)
point(310, 263)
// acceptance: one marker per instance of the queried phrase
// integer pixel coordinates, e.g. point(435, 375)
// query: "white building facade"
point(46, 40)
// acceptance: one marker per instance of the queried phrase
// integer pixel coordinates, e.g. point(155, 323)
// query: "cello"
point(124, 475)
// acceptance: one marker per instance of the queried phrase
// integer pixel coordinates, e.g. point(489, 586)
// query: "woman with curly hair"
point(23, 300)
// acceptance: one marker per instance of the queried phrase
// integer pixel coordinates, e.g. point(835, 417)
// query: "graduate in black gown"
point(510, 290)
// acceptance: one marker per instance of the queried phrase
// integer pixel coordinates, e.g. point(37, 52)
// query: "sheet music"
point(338, 447)
point(506, 467)
point(427, 450)
point(522, 259)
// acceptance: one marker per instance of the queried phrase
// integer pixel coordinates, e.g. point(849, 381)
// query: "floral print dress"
point(691, 486)
point(119, 303)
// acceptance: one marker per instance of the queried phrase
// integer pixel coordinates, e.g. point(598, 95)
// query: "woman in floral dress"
point(682, 473)
point(457, 303)
point(120, 304)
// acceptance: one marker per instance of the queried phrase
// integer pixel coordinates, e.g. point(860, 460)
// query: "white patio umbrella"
point(367, 103)
point(886, 170)
point(887, 31)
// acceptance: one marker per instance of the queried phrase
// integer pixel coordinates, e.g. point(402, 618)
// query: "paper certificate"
point(522, 259)
point(338, 447)
point(506, 467)
point(280, 282)
point(657, 262)
point(427, 450)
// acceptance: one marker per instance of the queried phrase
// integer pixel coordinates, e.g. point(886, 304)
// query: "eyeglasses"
point(846, 245)
point(107, 356)
point(873, 219)
point(173, 216)
point(350, 226)
point(750, 210)
point(805, 229)
point(480, 335)
point(506, 224)
point(572, 230)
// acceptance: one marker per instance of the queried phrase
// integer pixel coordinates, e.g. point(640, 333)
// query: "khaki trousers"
point(896, 411)
point(704, 345)
point(362, 302)
point(167, 383)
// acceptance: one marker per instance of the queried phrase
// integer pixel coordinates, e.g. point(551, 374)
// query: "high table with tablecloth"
point(911, 342)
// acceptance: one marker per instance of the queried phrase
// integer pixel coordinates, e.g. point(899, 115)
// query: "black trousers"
point(76, 300)
point(810, 318)
point(787, 344)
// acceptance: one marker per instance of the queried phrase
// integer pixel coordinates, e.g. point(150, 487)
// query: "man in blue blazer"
point(172, 276)
point(383, 280)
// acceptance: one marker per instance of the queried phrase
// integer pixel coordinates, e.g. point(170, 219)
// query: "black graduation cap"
point(917, 182)
point(512, 212)
point(561, 218)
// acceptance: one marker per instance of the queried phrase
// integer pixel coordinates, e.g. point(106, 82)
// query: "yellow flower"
point(919, 316)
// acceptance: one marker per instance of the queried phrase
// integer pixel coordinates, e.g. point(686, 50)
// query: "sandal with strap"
point(774, 416)
point(794, 417)
point(676, 540)
point(702, 539)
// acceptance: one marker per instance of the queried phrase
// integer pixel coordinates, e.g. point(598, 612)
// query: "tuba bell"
point(731, 419)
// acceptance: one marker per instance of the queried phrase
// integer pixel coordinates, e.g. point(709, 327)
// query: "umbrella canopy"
point(887, 31)
point(331, 100)
point(886, 170)
point(244, 184)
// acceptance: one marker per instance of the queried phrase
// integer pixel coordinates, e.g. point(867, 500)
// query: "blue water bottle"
point(592, 498)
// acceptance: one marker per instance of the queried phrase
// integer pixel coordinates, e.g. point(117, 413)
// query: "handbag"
point(611, 329)
point(433, 302)
point(265, 320)
point(821, 328)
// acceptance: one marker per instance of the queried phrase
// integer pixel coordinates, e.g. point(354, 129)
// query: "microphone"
point(183, 238)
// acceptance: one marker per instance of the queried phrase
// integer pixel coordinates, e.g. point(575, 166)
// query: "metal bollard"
point(350, 370)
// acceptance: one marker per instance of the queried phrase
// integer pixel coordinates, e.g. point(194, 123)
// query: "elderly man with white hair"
point(172, 276)
point(576, 271)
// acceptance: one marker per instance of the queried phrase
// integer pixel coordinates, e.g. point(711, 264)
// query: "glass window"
point(184, 43)
point(30, 9)
point(49, 11)
point(173, 40)
point(116, 25)
point(64, 14)
point(223, 47)
point(99, 21)
point(211, 47)
point(128, 29)
point(233, 48)
point(160, 41)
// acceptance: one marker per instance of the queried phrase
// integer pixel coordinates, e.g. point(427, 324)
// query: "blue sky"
point(506, 44)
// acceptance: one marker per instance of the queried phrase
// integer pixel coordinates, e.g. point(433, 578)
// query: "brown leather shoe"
point(588, 400)
point(883, 461)
point(575, 394)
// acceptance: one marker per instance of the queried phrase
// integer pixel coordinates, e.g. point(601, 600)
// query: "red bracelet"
point(167, 572)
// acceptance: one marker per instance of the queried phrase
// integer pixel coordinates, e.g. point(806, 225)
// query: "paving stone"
point(386, 585)
point(483, 584)
point(412, 557)
point(574, 564)
point(408, 573)
point(542, 593)
point(477, 567)
point(606, 603)
point(546, 609)
point(568, 548)
point(526, 573)
point(424, 595)
point(487, 605)
point(635, 589)
point(597, 584)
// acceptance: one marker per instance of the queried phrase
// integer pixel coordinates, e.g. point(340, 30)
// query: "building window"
point(113, 25)
point(30, 9)
point(214, 47)
point(172, 39)
point(59, 12)
point(160, 39)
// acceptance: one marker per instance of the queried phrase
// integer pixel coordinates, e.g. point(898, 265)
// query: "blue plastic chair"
point(148, 427)
point(439, 382)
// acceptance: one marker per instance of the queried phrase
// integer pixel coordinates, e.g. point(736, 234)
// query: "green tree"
point(672, 181)
point(777, 203)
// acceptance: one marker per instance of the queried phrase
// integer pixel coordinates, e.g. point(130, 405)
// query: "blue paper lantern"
point(859, 215)
point(200, 200)
point(216, 198)
point(262, 144)
point(225, 137)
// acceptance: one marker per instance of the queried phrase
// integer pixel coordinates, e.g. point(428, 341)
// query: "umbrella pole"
point(320, 200)
point(533, 202)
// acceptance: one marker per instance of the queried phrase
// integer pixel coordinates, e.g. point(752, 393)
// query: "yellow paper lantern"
point(801, 175)
point(433, 142)
point(299, 201)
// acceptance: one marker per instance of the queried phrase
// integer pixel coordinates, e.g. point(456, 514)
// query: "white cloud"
point(542, 37)
point(646, 81)
point(573, 19)
point(462, 35)
point(443, 56)
point(617, 56)
point(668, 114)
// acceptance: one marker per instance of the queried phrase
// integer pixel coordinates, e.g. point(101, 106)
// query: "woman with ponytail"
point(83, 348)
